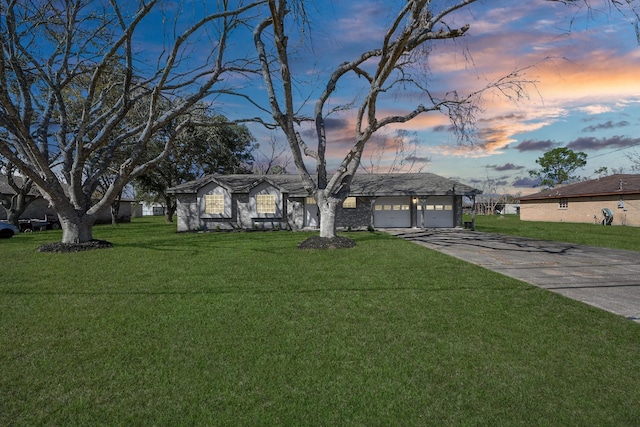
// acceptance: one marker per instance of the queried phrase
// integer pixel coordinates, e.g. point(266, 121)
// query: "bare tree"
point(634, 158)
point(23, 193)
point(274, 159)
point(405, 154)
point(626, 7)
point(76, 89)
point(493, 196)
point(383, 70)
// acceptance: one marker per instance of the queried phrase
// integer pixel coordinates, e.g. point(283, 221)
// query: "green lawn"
point(618, 237)
point(243, 329)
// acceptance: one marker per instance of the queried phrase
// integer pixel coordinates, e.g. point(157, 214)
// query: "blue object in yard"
point(7, 230)
point(607, 216)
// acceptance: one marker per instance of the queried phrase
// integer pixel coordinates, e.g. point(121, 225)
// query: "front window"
point(266, 204)
point(214, 203)
point(349, 203)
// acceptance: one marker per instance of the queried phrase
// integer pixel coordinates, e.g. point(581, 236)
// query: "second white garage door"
point(392, 212)
point(437, 213)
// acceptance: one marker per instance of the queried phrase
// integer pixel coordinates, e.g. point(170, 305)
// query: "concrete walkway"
point(605, 278)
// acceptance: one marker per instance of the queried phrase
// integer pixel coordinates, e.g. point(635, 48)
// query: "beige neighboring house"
point(585, 201)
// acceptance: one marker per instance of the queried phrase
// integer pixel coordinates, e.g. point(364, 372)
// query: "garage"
point(392, 212)
point(436, 212)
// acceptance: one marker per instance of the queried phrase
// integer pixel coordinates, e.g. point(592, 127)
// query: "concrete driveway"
point(605, 278)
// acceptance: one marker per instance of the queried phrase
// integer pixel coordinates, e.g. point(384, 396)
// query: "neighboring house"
point(40, 209)
point(154, 210)
point(509, 209)
point(147, 209)
point(217, 202)
point(584, 201)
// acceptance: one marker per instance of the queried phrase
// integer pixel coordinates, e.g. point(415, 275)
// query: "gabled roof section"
point(195, 185)
point(291, 184)
point(618, 185)
point(404, 184)
point(409, 184)
point(269, 182)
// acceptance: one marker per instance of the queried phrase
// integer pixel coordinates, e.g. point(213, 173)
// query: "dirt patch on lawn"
point(327, 243)
point(60, 247)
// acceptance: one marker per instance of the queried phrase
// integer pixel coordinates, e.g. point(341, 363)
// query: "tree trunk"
point(77, 230)
point(115, 210)
point(328, 208)
point(170, 209)
point(13, 217)
point(169, 212)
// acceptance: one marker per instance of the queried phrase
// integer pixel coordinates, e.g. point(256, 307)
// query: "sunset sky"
point(585, 62)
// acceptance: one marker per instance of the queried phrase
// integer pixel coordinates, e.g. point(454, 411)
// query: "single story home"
point(224, 202)
point(586, 201)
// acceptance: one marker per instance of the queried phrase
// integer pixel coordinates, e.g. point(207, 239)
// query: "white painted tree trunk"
point(13, 217)
point(77, 230)
point(328, 208)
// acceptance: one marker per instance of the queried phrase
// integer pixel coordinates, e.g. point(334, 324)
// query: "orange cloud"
point(600, 82)
point(601, 77)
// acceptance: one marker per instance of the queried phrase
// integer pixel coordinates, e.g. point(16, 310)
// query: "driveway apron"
point(605, 278)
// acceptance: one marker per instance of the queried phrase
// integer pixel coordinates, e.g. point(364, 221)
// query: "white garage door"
point(438, 212)
point(392, 212)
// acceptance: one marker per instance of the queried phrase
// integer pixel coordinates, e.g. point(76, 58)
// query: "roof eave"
point(574, 196)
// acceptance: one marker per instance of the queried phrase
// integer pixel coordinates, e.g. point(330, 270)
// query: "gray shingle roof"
point(291, 184)
point(618, 184)
point(5, 188)
point(409, 184)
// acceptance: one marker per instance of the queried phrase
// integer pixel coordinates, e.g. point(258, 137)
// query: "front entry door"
point(311, 213)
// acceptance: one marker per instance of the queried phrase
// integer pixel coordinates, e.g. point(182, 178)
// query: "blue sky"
point(586, 65)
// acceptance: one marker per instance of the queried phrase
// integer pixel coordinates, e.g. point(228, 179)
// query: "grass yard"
point(243, 329)
point(617, 237)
